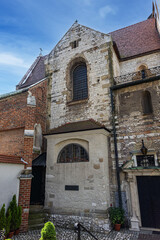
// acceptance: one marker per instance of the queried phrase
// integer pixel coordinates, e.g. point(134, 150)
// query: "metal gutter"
point(113, 88)
point(116, 150)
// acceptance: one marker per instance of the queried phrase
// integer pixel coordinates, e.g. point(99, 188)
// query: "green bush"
point(18, 219)
point(8, 222)
point(48, 232)
point(13, 209)
point(2, 218)
point(16, 214)
point(116, 215)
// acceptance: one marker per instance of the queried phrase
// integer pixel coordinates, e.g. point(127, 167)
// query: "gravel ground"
point(65, 234)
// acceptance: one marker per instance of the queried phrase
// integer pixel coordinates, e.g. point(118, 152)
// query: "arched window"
point(80, 86)
point(143, 70)
point(147, 102)
point(73, 153)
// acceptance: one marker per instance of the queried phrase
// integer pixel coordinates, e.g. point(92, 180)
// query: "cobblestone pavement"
point(149, 236)
point(64, 234)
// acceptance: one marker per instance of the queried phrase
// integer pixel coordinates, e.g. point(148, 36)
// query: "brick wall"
point(16, 117)
point(24, 201)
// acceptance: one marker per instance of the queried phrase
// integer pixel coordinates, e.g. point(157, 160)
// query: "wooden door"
point(149, 200)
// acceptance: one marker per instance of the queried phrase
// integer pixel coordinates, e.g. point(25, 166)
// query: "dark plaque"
point(71, 187)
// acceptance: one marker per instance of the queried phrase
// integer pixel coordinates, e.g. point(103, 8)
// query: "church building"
point(89, 134)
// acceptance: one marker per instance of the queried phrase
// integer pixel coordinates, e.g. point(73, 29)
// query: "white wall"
point(9, 183)
point(91, 177)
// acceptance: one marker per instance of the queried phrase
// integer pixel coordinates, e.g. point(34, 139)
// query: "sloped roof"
point(34, 74)
point(137, 39)
point(40, 161)
point(78, 126)
point(10, 159)
point(134, 40)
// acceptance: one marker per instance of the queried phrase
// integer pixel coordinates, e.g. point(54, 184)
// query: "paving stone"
point(66, 234)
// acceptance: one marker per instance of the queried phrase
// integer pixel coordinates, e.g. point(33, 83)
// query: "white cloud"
point(106, 10)
point(10, 59)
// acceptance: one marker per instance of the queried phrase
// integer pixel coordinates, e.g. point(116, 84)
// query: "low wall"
point(92, 224)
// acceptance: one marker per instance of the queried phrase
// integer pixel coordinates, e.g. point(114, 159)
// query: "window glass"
point(73, 153)
point(147, 103)
point(80, 87)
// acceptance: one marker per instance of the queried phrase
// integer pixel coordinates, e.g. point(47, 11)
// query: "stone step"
point(36, 226)
point(36, 215)
point(36, 221)
point(36, 208)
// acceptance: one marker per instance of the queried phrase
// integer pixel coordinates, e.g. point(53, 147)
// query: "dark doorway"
point(149, 200)
point(38, 181)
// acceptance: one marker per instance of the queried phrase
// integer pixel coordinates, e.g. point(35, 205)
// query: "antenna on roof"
point(157, 11)
point(40, 54)
point(153, 10)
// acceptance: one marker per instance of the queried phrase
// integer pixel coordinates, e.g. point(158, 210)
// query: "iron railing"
point(79, 226)
point(147, 73)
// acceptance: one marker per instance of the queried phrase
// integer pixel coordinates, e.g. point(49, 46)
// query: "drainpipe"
point(116, 150)
point(113, 88)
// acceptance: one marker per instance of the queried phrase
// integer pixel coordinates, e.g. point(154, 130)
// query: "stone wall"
point(132, 124)
point(69, 222)
point(132, 65)
point(92, 177)
point(93, 48)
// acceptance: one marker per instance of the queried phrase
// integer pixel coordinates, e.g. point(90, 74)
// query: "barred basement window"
point(80, 86)
point(73, 153)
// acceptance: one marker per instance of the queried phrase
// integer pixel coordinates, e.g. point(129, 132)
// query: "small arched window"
point(73, 153)
point(147, 102)
point(143, 70)
point(80, 86)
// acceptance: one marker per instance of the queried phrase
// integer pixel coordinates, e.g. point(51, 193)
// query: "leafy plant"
point(16, 214)
point(13, 209)
point(18, 219)
point(2, 218)
point(116, 215)
point(48, 232)
point(8, 221)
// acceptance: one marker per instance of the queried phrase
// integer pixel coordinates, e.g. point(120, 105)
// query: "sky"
point(27, 26)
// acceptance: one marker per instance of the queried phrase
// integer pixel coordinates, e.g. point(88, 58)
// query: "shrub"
point(2, 218)
point(8, 222)
point(116, 215)
point(48, 232)
point(18, 219)
point(16, 214)
point(13, 209)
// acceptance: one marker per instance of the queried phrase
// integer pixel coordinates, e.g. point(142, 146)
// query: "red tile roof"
point(10, 159)
point(137, 39)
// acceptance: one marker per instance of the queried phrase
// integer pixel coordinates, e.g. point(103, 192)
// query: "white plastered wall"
point(9, 182)
point(92, 177)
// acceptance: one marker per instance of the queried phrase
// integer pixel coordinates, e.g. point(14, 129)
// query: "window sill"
point(77, 102)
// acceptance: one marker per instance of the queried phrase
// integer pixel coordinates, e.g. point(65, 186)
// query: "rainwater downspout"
point(116, 150)
point(113, 88)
